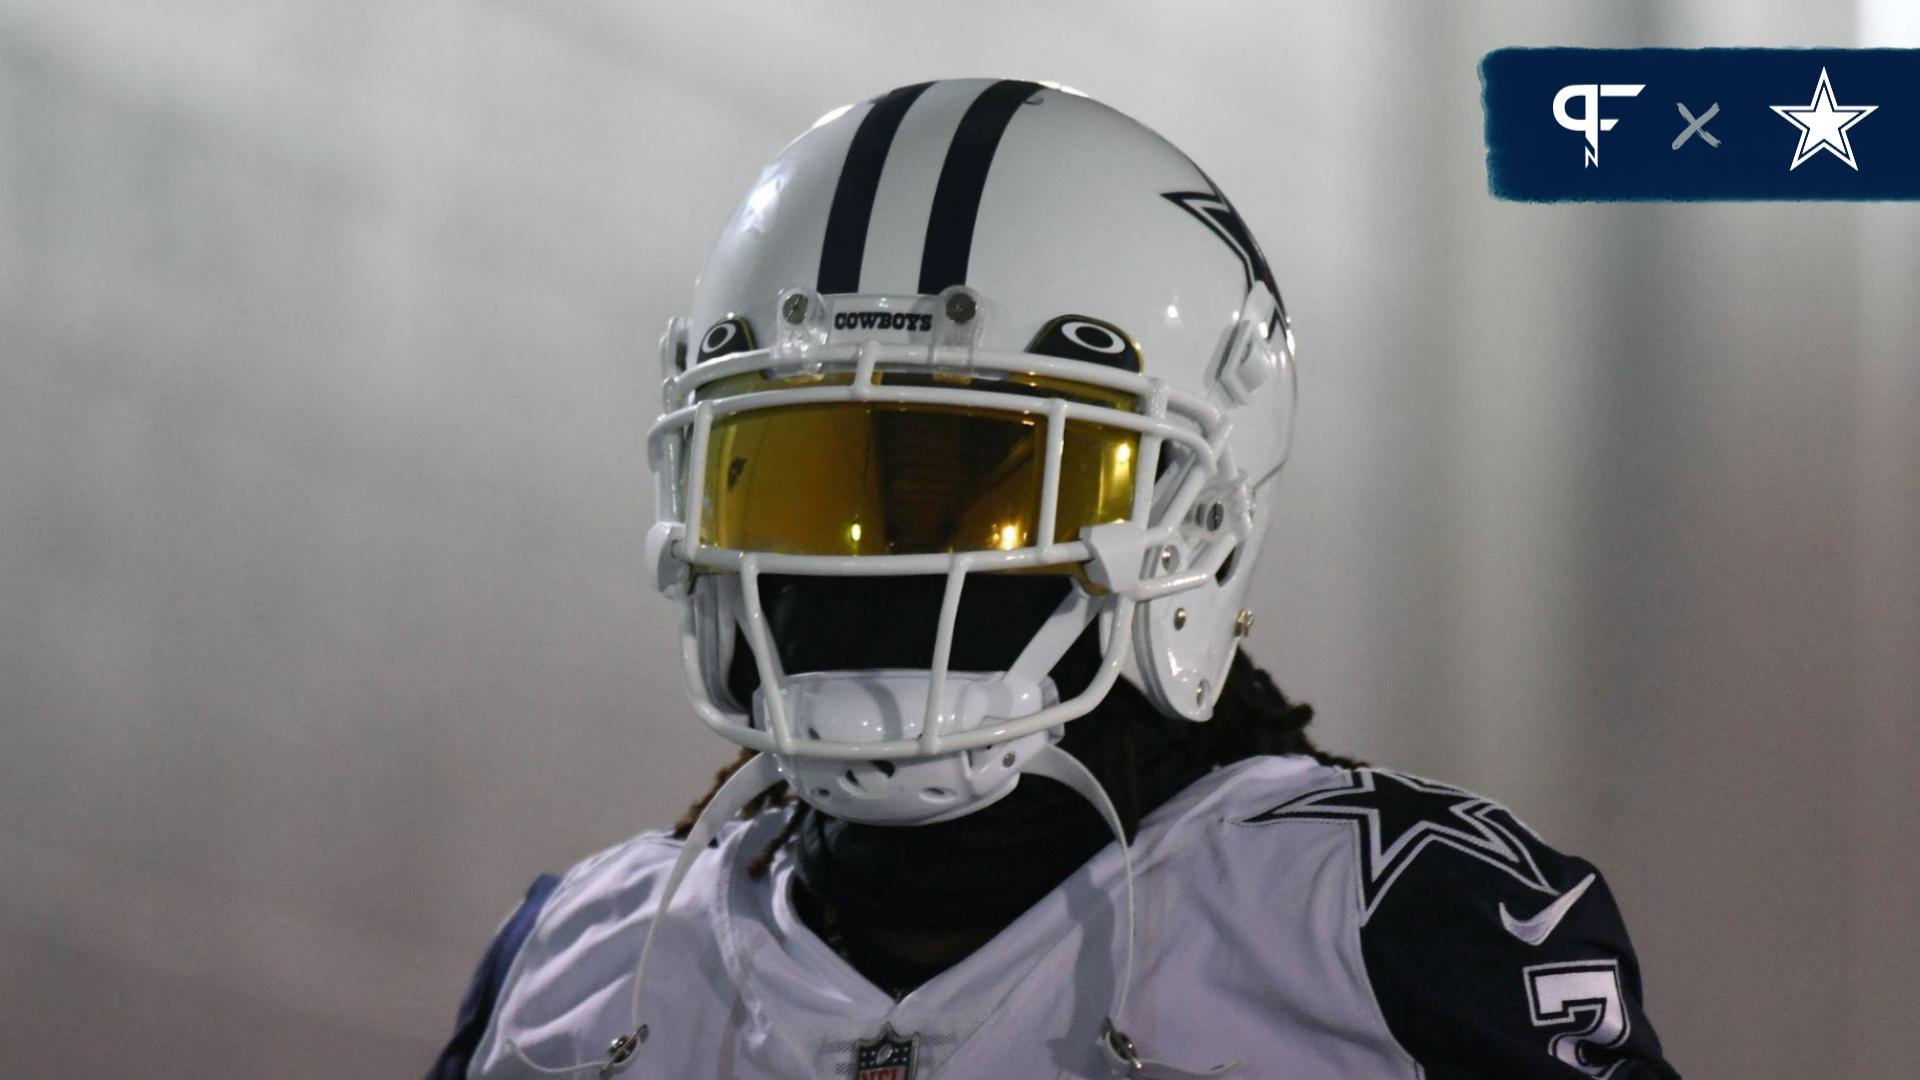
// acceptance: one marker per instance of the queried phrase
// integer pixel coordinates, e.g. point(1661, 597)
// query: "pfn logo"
point(1589, 122)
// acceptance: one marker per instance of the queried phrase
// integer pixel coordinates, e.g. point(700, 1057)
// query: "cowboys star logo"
point(885, 1057)
point(1211, 208)
point(1395, 817)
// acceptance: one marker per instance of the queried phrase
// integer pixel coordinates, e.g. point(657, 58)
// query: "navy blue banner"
point(1613, 124)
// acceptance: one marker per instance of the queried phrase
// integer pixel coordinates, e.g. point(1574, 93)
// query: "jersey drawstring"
point(752, 778)
point(1116, 1048)
point(760, 773)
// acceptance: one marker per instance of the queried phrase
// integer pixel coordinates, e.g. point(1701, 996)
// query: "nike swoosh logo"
point(1537, 929)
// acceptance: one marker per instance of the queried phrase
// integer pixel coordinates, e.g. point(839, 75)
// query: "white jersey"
point(1311, 922)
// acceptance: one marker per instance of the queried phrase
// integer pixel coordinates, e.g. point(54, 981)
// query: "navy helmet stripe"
point(963, 177)
point(845, 243)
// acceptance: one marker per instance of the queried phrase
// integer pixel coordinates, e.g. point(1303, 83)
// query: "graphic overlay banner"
point(1600, 125)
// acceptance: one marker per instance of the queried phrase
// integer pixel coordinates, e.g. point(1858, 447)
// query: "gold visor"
point(882, 478)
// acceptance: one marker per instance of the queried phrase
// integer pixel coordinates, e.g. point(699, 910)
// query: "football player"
point(968, 445)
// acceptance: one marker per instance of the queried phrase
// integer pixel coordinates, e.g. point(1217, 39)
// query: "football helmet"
point(969, 327)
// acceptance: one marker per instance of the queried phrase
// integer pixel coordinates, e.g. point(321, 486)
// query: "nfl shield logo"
point(885, 1057)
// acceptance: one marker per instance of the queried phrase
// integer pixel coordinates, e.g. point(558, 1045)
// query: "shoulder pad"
point(1398, 820)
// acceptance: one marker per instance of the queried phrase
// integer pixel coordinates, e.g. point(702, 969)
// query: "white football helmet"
point(969, 327)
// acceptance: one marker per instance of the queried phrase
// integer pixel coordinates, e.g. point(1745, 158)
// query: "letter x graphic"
point(1696, 125)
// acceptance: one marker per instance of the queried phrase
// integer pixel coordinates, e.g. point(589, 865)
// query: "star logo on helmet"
point(1211, 208)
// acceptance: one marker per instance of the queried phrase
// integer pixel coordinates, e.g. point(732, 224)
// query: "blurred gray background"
point(328, 335)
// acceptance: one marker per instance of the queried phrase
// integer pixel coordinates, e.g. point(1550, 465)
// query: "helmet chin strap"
point(1121, 1055)
point(761, 772)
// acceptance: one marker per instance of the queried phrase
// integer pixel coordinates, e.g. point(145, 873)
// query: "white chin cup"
point(857, 707)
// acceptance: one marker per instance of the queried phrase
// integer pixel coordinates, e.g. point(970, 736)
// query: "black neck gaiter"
point(978, 872)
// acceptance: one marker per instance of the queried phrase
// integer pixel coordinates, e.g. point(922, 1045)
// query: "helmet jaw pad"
point(868, 706)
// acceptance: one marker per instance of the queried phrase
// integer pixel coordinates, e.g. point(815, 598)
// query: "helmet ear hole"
point(1227, 567)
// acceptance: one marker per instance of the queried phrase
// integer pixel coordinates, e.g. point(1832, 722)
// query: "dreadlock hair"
point(1252, 718)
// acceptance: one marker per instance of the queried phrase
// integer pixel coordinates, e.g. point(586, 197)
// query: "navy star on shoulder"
point(1491, 955)
point(1396, 817)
